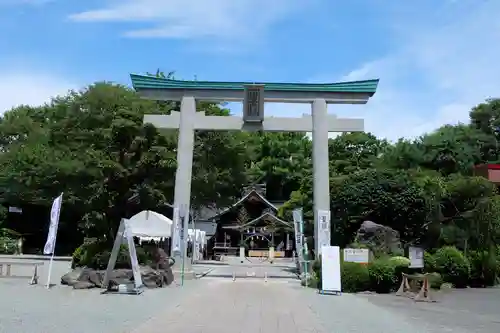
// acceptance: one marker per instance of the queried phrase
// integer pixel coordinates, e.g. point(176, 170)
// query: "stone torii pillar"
point(320, 123)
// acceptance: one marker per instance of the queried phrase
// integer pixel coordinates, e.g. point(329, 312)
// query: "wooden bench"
point(8, 270)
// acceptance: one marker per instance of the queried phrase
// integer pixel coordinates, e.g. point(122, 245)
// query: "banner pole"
point(50, 270)
point(184, 242)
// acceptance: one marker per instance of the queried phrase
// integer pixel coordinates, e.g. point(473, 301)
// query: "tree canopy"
point(93, 146)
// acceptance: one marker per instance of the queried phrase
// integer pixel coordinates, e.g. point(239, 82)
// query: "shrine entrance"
point(320, 123)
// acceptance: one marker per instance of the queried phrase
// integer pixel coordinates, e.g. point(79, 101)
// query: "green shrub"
point(312, 282)
point(316, 268)
point(94, 254)
point(453, 266)
point(85, 253)
point(401, 265)
point(382, 276)
point(8, 245)
point(354, 277)
point(400, 261)
point(429, 262)
point(435, 280)
point(483, 269)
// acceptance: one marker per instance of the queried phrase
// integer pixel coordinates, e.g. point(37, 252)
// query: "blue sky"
point(435, 58)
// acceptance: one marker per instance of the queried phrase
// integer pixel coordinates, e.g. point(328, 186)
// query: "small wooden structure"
point(9, 274)
point(488, 171)
point(413, 289)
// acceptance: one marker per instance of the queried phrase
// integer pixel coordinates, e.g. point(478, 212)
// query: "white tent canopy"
point(150, 225)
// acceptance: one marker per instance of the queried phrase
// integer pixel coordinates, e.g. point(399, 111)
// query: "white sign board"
point(416, 257)
point(323, 229)
point(330, 269)
point(133, 255)
point(361, 256)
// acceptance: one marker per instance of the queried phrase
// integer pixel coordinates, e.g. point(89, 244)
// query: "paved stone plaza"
point(251, 305)
point(217, 304)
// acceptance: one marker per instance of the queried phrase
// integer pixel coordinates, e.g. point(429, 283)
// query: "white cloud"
point(434, 76)
point(29, 88)
point(192, 18)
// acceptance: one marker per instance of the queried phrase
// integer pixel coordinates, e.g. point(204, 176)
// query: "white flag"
point(54, 223)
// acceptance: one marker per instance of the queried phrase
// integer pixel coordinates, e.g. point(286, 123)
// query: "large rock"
point(379, 238)
point(86, 278)
point(71, 278)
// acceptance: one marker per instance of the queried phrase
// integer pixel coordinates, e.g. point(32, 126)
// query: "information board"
point(361, 256)
point(330, 269)
point(416, 255)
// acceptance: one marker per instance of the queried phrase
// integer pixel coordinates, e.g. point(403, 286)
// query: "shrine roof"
point(253, 192)
point(266, 216)
point(152, 82)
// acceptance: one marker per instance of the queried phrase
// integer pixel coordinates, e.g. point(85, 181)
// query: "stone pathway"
point(252, 305)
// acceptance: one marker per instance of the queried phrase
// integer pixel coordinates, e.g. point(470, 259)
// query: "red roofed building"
point(489, 171)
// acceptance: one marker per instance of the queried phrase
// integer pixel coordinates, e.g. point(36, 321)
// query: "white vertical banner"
point(50, 244)
point(176, 235)
point(297, 218)
point(134, 262)
point(323, 229)
point(197, 241)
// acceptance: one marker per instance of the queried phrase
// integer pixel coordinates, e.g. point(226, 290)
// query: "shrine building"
point(252, 223)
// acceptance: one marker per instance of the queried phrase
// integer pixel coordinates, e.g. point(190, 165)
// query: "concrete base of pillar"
point(188, 275)
point(178, 268)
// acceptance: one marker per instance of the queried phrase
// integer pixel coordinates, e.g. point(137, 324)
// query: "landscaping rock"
point(71, 278)
point(86, 278)
point(378, 237)
point(83, 285)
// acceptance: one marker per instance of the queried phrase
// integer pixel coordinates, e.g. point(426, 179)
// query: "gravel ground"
point(34, 309)
point(458, 310)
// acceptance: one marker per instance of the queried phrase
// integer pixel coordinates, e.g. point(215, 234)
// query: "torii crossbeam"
point(254, 96)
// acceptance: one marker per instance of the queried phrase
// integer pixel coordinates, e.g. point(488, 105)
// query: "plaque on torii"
point(253, 103)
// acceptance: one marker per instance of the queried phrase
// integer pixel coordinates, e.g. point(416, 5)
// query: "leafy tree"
point(280, 160)
point(351, 152)
point(93, 146)
point(455, 149)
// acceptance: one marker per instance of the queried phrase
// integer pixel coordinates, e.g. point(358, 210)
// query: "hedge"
point(448, 265)
point(355, 277)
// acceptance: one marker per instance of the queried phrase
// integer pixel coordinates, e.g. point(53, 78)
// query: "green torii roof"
point(152, 82)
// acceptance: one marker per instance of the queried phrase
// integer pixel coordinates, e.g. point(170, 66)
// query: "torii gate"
point(254, 95)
